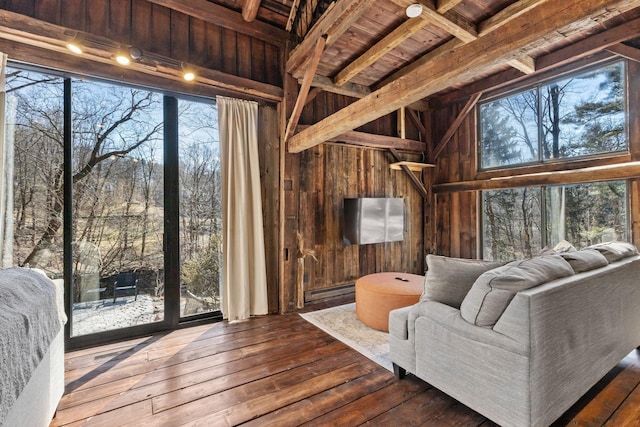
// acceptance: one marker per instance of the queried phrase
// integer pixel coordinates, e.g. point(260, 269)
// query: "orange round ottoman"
point(377, 294)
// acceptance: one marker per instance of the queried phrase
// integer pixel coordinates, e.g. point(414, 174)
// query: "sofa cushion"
point(615, 251)
point(449, 279)
point(492, 291)
point(585, 260)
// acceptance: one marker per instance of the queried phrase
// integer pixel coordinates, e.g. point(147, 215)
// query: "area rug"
point(342, 323)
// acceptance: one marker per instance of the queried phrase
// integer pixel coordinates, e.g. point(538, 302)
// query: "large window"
point(519, 223)
point(109, 233)
point(582, 115)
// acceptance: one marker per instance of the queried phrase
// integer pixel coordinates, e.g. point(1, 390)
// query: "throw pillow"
point(449, 279)
point(493, 291)
point(585, 260)
point(615, 251)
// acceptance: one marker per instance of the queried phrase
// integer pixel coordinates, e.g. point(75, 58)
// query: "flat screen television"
point(373, 220)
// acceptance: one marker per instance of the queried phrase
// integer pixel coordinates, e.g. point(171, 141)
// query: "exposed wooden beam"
point(625, 51)
point(333, 23)
point(455, 67)
point(471, 103)
point(21, 31)
point(377, 51)
point(414, 179)
point(312, 95)
point(354, 90)
point(292, 14)
point(446, 5)
point(226, 18)
point(348, 89)
point(589, 174)
point(370, 140)
point(580, 49)
point(413, 116)
point(508, 14)
point(491, 24)
point(402, 122)
point(304, 89)
point(451, 22)
point(526, 64)
point(250, 9)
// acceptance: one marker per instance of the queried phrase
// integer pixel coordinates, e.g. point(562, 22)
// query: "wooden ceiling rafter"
point(377, 51)
point(587, 47)
point(455, 66)
point(292, 15)
point(355, 90)
point(625, 51)
point(371, 140)
point(226, 18)
point(446, 5)
point(495, 22)
point(250, 9)
point(332, 24)
point(304, 88)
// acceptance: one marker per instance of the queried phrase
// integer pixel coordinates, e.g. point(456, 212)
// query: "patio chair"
point(125, 282)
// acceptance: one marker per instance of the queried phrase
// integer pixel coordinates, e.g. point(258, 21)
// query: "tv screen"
point(373, 220)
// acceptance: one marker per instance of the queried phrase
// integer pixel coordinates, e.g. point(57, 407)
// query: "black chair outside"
point(125, 282)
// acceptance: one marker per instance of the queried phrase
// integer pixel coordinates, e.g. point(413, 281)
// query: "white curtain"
point(244, 288)
point(6, 174)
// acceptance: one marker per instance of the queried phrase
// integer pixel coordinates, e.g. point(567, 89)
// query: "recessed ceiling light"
point(75, 48)
point(414, 10)
point(189, 76)
point(123, 59)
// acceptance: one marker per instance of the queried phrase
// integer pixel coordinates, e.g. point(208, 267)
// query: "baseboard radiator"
point(334, 291)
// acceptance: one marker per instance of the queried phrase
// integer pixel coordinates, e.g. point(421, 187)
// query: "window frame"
point(481, 249)
point(538, 84)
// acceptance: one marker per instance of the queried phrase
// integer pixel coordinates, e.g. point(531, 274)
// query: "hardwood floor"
point(280, 371)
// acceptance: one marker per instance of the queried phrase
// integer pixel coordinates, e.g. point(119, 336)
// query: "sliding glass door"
point(114, 192)
point(117, 209)
point(200, 208)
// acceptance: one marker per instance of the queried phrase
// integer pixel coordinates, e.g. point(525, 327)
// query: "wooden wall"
point(316, 182)
point(162, 31)
point(456, 231)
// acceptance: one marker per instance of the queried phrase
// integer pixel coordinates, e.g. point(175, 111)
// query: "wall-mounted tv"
point(373, 220)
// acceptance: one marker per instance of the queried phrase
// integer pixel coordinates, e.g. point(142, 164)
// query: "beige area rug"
point(342, 323)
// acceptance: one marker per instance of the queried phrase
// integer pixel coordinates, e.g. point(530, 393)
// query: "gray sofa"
point(522, 342)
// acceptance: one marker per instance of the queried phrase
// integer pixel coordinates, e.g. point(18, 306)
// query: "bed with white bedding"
point(31, 347)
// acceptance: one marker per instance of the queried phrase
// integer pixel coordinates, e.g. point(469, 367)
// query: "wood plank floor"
point(281, 371)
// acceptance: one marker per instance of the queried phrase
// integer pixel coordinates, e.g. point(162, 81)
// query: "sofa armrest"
point(449, 318)
point(398, 322)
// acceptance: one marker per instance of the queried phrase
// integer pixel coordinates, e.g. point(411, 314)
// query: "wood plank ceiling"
point(371, 49)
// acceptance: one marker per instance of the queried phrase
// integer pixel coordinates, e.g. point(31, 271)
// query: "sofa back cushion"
point(585, 260)
point(448, 280)
point(615, 251)
point(492, 291)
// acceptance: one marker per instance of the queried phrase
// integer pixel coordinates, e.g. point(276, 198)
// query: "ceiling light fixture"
point(122, 59)
point(75, 48)
point(187, 73)
point(414, 10)
point(135, 53)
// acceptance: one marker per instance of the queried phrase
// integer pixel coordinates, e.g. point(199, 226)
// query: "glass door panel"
point(32, 232)
point(117, 249)
point(200, 208)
